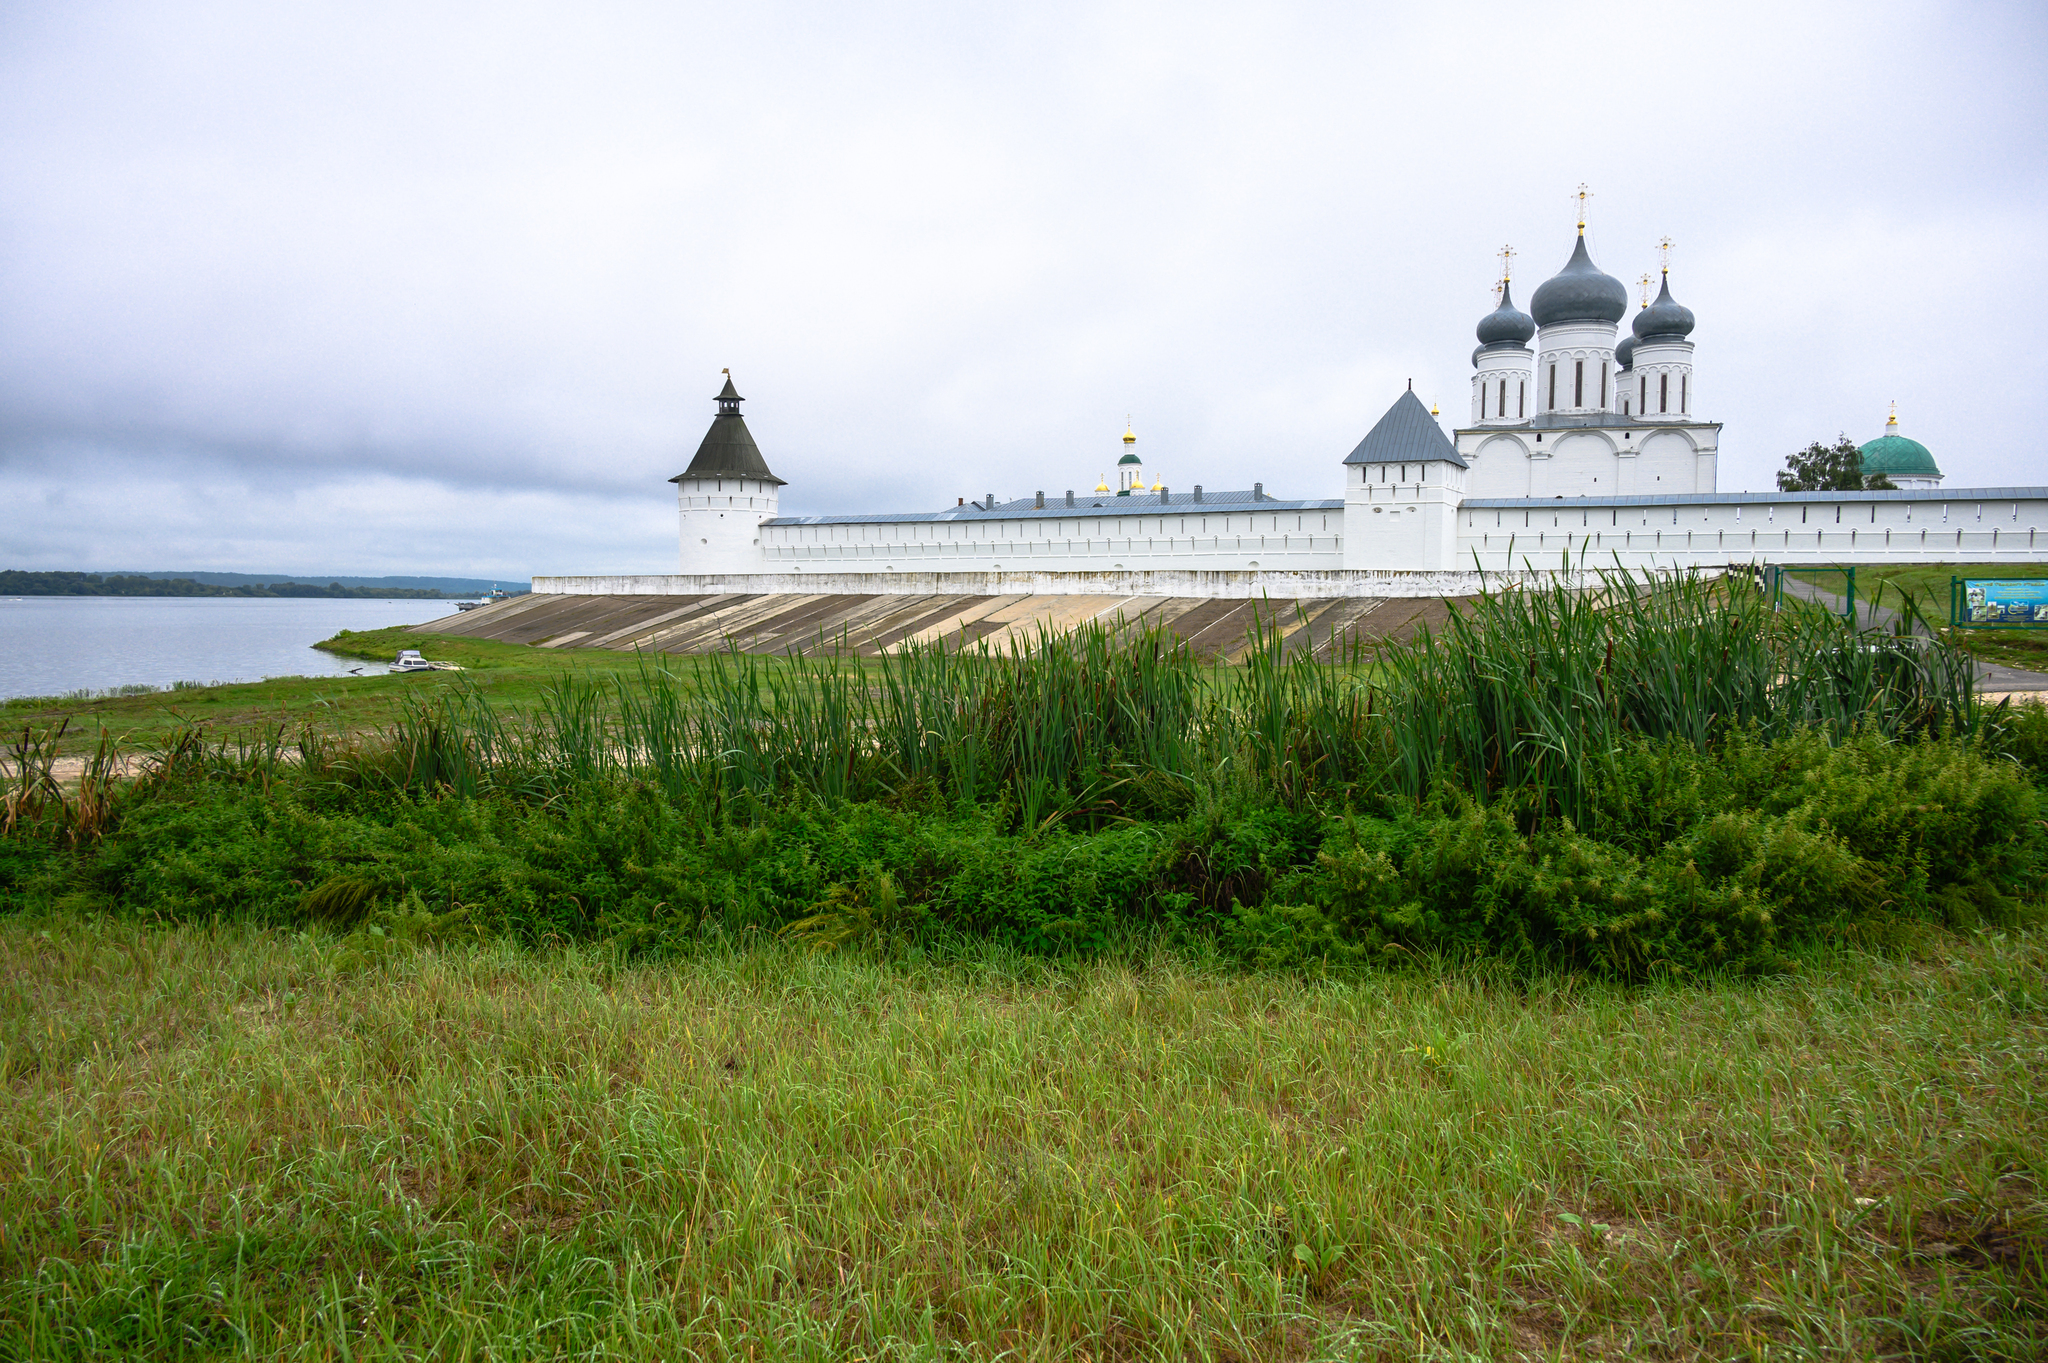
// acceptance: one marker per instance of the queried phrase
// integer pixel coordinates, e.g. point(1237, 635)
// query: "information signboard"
point(1990, 602)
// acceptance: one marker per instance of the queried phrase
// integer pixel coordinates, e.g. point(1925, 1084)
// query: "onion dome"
point(1897, 456)
point(1102, 486)
point(1664, 320)
point(1580, 293)
point(1129, 459)
point(1625, 353)
point(1507, 326)
point(1130, 438)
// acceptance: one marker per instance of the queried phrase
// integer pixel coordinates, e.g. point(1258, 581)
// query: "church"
point(1579, 439)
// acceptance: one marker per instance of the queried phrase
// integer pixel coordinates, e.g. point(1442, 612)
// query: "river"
point(54, 645)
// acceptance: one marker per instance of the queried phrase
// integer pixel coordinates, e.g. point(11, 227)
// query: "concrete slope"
point(872, 624)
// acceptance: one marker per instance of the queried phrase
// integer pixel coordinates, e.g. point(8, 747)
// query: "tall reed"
point(1530, 693)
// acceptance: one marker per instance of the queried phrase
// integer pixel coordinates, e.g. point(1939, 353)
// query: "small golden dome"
point(1130, 437)
point(1102, 486)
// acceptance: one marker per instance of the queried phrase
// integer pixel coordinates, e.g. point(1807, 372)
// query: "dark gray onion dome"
point(1625, 353)
point(1580, 293)
point(1507, 325)
point(1665, 319)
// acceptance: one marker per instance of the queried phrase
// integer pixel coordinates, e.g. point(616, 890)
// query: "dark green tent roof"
point(728, 449)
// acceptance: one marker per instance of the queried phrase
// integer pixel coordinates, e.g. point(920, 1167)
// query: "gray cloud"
point(383, 288)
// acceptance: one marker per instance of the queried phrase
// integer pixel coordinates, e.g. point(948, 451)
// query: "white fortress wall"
point(1121, 534)
point(1976, 525)
point(1177, 582)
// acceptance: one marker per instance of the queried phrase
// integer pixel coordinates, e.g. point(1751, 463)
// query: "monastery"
point(1581, 436)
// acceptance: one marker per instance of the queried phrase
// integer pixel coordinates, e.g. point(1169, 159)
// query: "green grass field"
point(223, 1142)
point(1652, 976)
point(513, 675)
point(1928, 585)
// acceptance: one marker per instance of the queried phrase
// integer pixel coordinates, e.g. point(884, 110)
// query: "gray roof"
point(1579, 293)
point(1406, 434)
point(1664, 320)
point(1507, 327)
point(1085, 504)
point(728, 448)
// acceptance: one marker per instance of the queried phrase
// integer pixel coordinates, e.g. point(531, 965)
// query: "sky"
point(443, 288)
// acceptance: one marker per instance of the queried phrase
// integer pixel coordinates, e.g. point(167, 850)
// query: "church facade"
point(1580, 438)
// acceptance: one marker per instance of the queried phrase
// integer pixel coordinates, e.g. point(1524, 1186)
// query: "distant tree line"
point(16, 583)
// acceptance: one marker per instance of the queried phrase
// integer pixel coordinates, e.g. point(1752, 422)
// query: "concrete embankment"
point(869, 623)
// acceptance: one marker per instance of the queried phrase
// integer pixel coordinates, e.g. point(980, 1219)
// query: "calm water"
point(53, 644)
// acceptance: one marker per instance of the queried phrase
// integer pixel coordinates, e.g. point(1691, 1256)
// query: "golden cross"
point(1507, 261)
point(1645, 281)
point(1664, 245)
point(1580, 198)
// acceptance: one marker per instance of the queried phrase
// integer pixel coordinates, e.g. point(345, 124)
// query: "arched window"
point(1578, 383)
point(1663, 392)
point(1684, 383)
point(1503, 409)
point(1553, 389)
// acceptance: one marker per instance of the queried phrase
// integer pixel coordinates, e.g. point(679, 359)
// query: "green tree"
point(1830, 468)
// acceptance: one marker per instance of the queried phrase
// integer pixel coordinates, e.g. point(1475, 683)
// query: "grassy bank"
point(1615, 974)
point(1928, 586)
point(235, 1142)
point(512, 675)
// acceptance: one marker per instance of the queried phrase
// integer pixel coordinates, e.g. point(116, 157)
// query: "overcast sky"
point(440, 288)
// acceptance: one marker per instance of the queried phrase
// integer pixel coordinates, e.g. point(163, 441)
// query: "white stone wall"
point(1320, 585)
point(721, 519)
point(1665, 387)
point(1501, 379)
point(1630, 460)
point(1235, 537)
point(1563, 346)
point(1961, 527)
point(1400, 516)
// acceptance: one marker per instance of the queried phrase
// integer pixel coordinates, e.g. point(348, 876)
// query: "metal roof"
point(1946, 494)
point(1085, 504)
point(1406, 434)
point(728, 448)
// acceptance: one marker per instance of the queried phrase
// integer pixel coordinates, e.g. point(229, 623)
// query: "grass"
point(1928, 584)
point(513, 675)
point(229, 1142)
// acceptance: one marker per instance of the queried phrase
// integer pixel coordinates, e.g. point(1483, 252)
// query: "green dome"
point(1897, 457)
point(1130, 459)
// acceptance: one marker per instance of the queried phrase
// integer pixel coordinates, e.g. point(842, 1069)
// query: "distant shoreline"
point(14, 582)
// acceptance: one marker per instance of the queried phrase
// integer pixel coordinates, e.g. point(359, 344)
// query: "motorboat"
point(409, 660)
point(490, 598)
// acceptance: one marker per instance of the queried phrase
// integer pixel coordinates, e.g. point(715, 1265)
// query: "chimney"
point(1198, 492)
point(959, 501)
point(1040, 506)
point(990, 504)
point(1258, 492)
point(1164, 497)
point(1070, 496)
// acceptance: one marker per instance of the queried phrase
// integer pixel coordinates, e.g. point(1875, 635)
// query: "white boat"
point(409, 660)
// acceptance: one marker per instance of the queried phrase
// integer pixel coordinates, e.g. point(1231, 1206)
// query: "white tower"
point(1662, 359)
point(725, 494)
point(1402, 486)
point(1576, 312)
point(1500, 366)
point(1130, 470)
